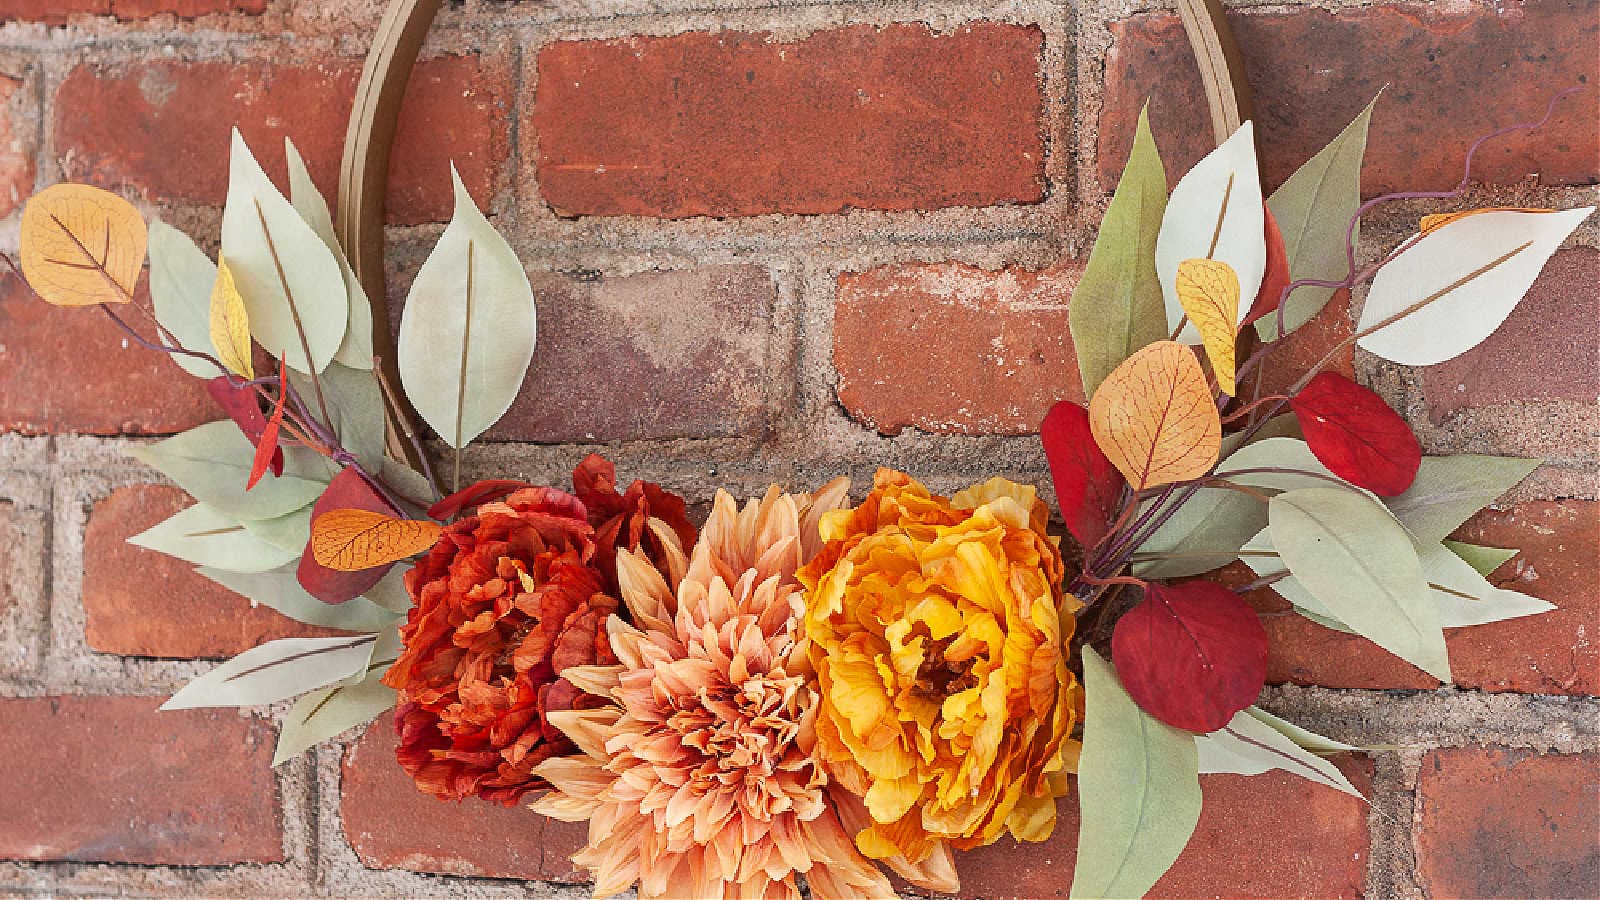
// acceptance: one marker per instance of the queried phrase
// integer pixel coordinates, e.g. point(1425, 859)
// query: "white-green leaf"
point(356, 349)
point(468, 330)
point(289, 533)
point(279, 589)
point(181, 277)
point(1215, 212)
point(1138, 790)
point(275, 257)
point(1449, 489)
point(1117, 306)
point(1249, 746)
point(1313, 210)
point(275, 671)
point(1483, 560)
point(1352, 555)
point(1464, 597)
point(205, 536)
point(1262, 558)
point(1310, 740)
point(355, 402)
point(390, 591)
point(1478, 268)
point(323, 714)
point(212, 462)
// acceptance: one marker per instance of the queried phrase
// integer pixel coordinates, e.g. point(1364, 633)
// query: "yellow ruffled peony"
point(938, 630)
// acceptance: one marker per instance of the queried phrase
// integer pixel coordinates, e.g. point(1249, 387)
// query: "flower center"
point(939, 677)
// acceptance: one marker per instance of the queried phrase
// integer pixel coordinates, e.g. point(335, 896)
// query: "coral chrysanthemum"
point(697, 777)
point(938, 629)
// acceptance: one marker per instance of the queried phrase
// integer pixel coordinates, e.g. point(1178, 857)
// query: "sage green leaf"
point(390, 592)
point(1449, 489)
point(410, 485)
point(1138, 790)
point(468, 330)
point(280, 589)
point(290, 532)
point(181, 277)
point(1117, 306)
point(205, 536)
point(1310, 740)
point(275, 671)
point(356, 349)
point(1215, 212)
point(284, 272)
point(1285, 425)
point(323, 714)
point(1249, 746)
point(212, 462)
point(1464, 597)
point(1483, 560)
point(1259, 554)
point(1352, 555)
point(355, 403)
point(1313, 210)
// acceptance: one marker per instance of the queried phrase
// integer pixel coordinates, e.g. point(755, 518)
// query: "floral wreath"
point(803, 687)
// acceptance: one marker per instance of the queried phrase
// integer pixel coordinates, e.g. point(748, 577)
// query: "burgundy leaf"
point(474, 494)
point(348, 490)
point(1356, 435)
point(242, 407)
point(1087, 484)
point(1191, 654)
point(1276, 277)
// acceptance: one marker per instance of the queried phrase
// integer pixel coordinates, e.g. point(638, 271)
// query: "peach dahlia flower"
point(697, 778)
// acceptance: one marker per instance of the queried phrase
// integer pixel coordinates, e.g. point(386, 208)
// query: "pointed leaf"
point(1432, 223)
point(1356, 435)
point(1483, 560)
point(243, 407)
point(275, 671)
point(1209, 292)
point(81, 246)
point(350, 540)
point(212, 462)
point(278, 589)
point(475, 494)
point(1155, 419)
point(1464, 597)
point(1249, 746)
point(324, 714)
point(348, 490)
point(1215, 213)
point(355, 403)
point(1138, 791)
point(1276, 276)
point(205, 536)
point(1087, 484)
point(1452, 288)
point(267, 447)
point(1310, 740)
point(288, 532)
point(181, 279)
point(467, 334)
point(356, 349)
point(1449, 489)
point(230, 324)
point(1117, 306)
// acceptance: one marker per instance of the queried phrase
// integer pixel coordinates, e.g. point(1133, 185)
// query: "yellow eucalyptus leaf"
point(1439, 220)
point(230, 324)
point(1155, 419)
point(81, 246)
point(1209, 292)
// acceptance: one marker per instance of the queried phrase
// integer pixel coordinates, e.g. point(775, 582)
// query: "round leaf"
point(81, 246)
point(1356, 435)
point(181, 279)
point(1087, 484)
point(349, 540)
point(1155, 419)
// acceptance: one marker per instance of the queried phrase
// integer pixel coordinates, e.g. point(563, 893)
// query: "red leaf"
point(474, 495)
point(267, 445)
point(1191, 654)
point(242, 407)
point(1087, 484)
point(1277, 273)
point(348, 490)
point(1356, 435)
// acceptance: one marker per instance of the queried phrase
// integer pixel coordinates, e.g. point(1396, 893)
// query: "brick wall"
point(774, 244)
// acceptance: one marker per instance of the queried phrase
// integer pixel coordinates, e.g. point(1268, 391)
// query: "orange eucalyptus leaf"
point(1155, 419)
point(349, 540)
point(1209, 292)
point(230, 324)
point(81, 246)
point(1439, 220)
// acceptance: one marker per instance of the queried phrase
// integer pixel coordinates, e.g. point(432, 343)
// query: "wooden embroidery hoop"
point(364, 171)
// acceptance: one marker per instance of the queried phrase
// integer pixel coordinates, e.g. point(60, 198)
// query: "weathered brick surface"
point(1557, 324)
point(73, 370)
point(656, 355)
point(1309, 344)
point(56, 12)
point(111, 779)
point(949, 347)
point(9, 541)
point(1302, 840)
point(458, 838)
point(18, 111)
point(737, 124)
point(1453, 75)
point(1494, 822)
point(455, 110)
point(138, 602)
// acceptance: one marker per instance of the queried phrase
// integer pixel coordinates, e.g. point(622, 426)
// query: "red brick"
point(142, 603)
point(1508, 823)
point(655, 355)
point(181, 113)
point(1549, 349)
point(1453, 76)
point(392, 825)
point(51, 12)
point(72, 370)
point(57, 12)
point(111, 779)
point(17, 115)
point(738, 123)
point(952, 348)
point(1309, 344)
point(1303, 840)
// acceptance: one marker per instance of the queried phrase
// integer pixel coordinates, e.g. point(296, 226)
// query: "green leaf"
point(1310, 740)
point(320, 715)
point(181, 276)
point(355, 402)
point(1117, 306)
point(279, 589)
point(275, 671)
point(1259, 554)
point(212, 462)
point(205, 536)
point(1352, 555)
point(290, 532)
point(1449, 489)
point(1249, 746)
point(356, 349)
point(1313, 209)
point(468, 330)
point(1483, 560)
point(1285, 425)
point(275, 257)
point(1464, 597)
point(1138, 790)
point(390, 592)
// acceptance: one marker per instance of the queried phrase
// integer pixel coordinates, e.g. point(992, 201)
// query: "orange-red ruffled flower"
point(619, 520)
